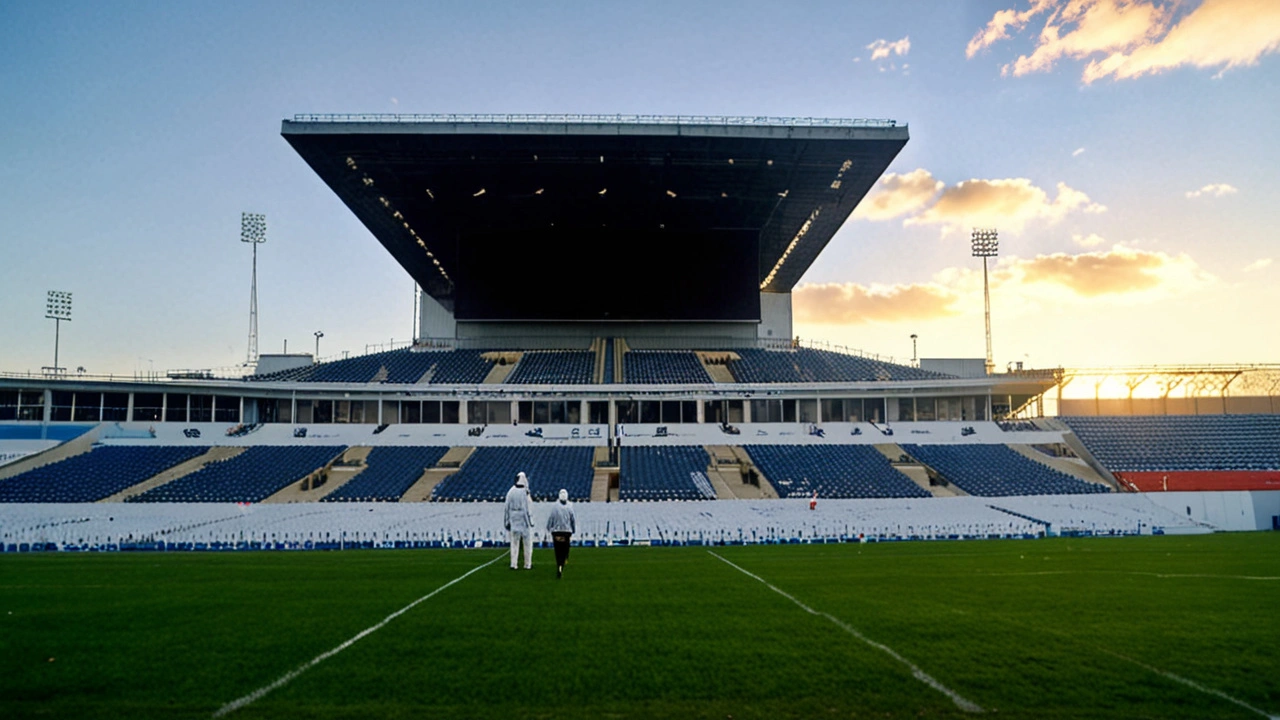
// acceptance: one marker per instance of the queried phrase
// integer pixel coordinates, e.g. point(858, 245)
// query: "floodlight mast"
point(986, 244)
point(253, 230)
point(57, 308)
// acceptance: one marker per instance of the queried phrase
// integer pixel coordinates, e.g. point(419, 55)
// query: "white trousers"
point(521, 538)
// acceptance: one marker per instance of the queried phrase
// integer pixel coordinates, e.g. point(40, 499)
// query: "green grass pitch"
point(1178, 627)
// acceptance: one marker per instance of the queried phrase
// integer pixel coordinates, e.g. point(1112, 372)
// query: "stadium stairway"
point(717, 365)
point(448, 464)
point(604, 472)
point(597, 365)
point(335, 475)
point(918, 473)
point(503, 365)
point(1070, 440)
point(1072, 467)
point(215, 454)
point(730, 465)
point(70, 448)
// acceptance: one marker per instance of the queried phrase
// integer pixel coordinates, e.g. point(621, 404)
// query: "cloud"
point(1077, 152)
point(1258, 264)
point(1100, 279)
point(882, 49)
point(896, 195)
point(1089, 241)
point(1214, 190)
point(1007, 204)
point(1123, 39)
point(855, 304)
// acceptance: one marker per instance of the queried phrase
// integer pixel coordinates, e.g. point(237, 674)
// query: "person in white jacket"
point(562, 524)
point(519, 521)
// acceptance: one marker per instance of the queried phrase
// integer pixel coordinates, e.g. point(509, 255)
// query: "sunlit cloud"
point(1008, 204)
point(1124, 39)
point(882, 49)
point(897, 195)
point(855, 304)
point(1077, 152)
point(1024, 285)
point(1258, 264)
point(1213, 190)
point(1090, 241)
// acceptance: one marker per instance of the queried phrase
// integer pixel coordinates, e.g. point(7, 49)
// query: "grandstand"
point(667, 371)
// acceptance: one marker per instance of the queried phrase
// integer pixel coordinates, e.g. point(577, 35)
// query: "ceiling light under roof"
point(603, 191)
point(430, 194)
point(671, 193)
point(478, 193)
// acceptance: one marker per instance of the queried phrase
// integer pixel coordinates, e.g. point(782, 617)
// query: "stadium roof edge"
point(591, 119)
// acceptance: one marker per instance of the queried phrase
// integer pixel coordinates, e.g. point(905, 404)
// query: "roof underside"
point(424, 185)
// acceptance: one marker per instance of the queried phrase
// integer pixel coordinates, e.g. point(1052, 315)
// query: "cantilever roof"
point(423, 183)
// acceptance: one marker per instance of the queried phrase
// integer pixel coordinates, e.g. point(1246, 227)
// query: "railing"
point(580, 119)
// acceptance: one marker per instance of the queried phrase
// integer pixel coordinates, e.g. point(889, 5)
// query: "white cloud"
point(882, 49)
point(1090, 280)
point(1091, 240)
point(1213, 190)
point(1008, 204)
point(1258, 264)
point(1077, 152)
point(896, 195)
point(1124, 39)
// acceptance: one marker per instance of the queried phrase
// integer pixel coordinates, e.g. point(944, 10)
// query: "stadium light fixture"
point(914, 358)
point(986, 244)
point(319, 334)
point(253, 230)
point(57, 308)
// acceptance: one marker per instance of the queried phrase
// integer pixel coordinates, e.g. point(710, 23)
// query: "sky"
point(1125, 150)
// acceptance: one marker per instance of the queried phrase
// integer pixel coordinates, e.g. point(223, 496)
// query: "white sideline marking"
point(1192, 684)
point(289, 676)
point(919, 674)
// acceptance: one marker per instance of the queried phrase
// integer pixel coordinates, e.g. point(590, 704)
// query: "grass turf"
point(1043, 628)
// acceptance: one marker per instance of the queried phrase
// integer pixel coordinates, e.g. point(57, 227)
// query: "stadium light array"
point(253, 230)
point(57, 308)
point(986, 244)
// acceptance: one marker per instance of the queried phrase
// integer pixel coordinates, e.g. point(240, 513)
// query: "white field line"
point(919, 674)
point(289, 676)
point(1192, 684)
point(1166, 576)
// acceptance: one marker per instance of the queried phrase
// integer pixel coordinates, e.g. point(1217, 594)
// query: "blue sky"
point(1126, 149)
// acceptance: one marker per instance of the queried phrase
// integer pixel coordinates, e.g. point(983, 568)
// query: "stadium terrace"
point(607, 308)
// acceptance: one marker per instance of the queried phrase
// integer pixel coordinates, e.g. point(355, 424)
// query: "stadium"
point(606, 306)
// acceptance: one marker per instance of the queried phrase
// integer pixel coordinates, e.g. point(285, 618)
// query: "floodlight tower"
point(986, 244)
point(914, 358)
point(253, 230)
point(319, 334)
point(57, 308)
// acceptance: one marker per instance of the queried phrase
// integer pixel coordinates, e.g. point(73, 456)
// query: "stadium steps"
point(504, 363)
point(381, 375)
point(1078, 469)
point(215, 454)
point(724, 490)
point(1082, 452)
point(603, 472)
point(740, 464)
point(448, 464)
point(717, 365)
point(620, 349)
point(597, 368)
point(307, 490)
point(71, 448)
point(916, 472)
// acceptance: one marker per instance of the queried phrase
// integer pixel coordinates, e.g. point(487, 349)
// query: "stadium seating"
point(99, 473)
point(389, 472)
point(810, 365)
point(404, 366)
point(554, 367)
point(1181, 442)
point(251, 476)
point(489, 472)
point(835, 471)
point(671, 472)
point(658, 367)
point(998, 471)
